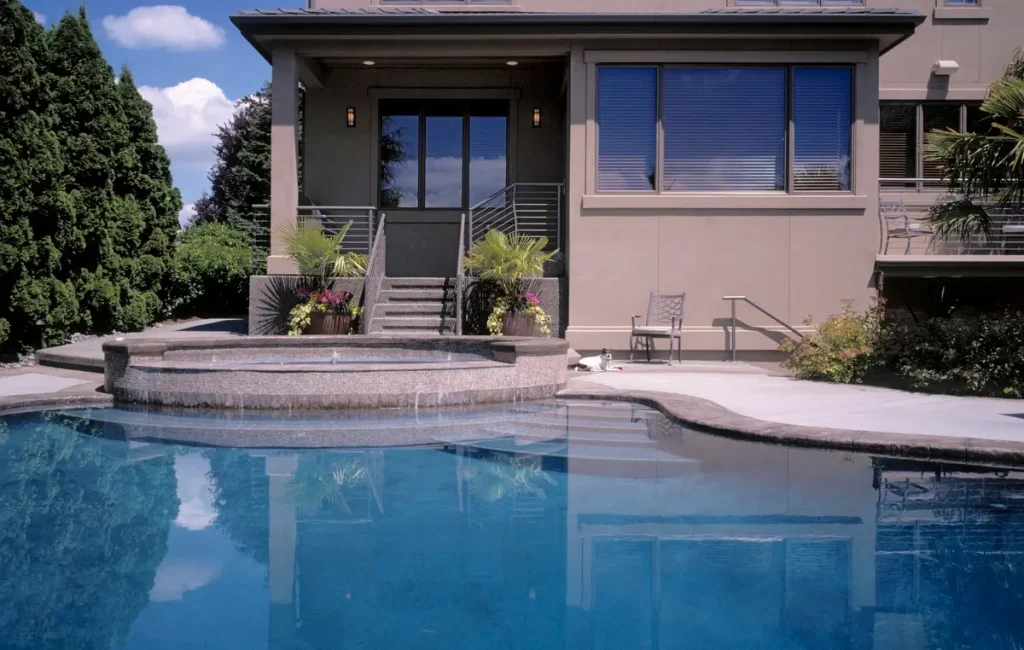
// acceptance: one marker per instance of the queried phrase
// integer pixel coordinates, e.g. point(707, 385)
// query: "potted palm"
point(317, 255)
point(507, 260)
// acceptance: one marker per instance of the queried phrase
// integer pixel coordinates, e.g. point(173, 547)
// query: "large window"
point(902, 138)
point(717, 129)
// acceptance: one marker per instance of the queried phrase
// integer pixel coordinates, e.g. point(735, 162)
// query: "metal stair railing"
point(531, 209)
point(375, 268)
point(358, 239)
point(732, 335)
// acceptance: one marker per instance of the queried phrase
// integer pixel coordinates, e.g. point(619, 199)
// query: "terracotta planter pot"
point(333, 324)
point(520, 325)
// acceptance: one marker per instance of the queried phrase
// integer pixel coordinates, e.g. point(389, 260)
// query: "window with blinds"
point(822, 115)
point(724, 129)
point(937, 117)
point(903, 138)
point(627, 114)
point(898, 142)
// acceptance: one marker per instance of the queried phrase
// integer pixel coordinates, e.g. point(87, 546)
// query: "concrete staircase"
point(415, 306)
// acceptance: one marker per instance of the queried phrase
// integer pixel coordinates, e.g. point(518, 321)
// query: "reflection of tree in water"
point(392, 155)
point(501, 475)
point(322, 480)
point(82, 532)
point(240, 494)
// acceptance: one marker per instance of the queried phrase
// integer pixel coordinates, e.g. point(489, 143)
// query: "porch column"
point(284, 155)
point(283, 539)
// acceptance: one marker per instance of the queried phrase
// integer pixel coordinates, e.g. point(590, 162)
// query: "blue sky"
point(189, 61)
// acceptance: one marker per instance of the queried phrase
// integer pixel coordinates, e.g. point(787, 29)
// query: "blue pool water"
point(562, 525)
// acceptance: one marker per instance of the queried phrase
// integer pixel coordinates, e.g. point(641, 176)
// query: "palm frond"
point(316, 254)
point(508, 259)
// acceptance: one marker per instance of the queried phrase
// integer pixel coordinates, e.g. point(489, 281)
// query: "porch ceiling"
point(263, 28)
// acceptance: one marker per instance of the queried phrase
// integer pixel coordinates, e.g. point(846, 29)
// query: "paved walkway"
point(790, 401)
point(88, 355)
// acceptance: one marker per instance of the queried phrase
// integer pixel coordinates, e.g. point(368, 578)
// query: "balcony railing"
point(903, 215)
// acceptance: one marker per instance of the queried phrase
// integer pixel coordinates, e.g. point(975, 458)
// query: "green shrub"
point(210, 272)
point(976, 353)
point(840, 350)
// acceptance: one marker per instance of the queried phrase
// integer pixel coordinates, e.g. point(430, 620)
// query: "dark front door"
point(438, 158)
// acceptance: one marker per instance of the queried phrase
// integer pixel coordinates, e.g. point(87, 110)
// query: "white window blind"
point(822, 112)
point(725, 129)
point(627, 113)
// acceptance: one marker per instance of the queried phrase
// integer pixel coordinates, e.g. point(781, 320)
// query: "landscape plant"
point(839, 350)
point(506, 261)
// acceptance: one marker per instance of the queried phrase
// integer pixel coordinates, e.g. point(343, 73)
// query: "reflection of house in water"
point(753, 546)
point(949, 547)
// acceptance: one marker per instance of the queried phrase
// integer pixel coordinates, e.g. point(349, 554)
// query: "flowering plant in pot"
point(508, 260)
point(321, 311)
point(318, 256)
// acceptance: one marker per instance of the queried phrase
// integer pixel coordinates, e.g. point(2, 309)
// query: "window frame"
point(797, 3)
point(789, 130)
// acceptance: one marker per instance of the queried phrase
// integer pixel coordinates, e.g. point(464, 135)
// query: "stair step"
point(437, 295)
point(418, 283)
point(410, 323)
point(385, 309)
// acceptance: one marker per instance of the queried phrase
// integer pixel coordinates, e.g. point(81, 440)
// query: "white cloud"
point(40, 18)
point(169, 27)
point(174, 578)
point(187, 117)
point(444, 180)
point(195, 493)
point(187, 214)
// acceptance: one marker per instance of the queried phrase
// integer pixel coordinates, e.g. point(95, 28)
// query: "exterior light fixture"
point(369, 62)
point(945, 68)
point(511, 64)
point(536, 118)
point(350, 116)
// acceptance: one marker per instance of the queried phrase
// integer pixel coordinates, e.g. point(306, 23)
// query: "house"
point(716, 147)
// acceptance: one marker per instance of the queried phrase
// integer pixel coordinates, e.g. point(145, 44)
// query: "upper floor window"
point(962, 3)
point(724, 129)
point(800, 3)
point(902, 138)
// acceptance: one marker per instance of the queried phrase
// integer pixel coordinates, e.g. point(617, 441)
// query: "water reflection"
point(593, 528)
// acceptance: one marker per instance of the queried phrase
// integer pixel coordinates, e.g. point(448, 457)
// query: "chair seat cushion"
point(653, 330)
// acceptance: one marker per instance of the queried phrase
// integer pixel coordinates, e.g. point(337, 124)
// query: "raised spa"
point(282, 372)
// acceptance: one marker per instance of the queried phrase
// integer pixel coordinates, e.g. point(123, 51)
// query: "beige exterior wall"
point(796, 255)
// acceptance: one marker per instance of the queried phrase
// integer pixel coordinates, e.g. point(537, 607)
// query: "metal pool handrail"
point(732, 336)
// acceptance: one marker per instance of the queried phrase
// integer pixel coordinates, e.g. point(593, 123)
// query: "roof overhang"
point(263, 27)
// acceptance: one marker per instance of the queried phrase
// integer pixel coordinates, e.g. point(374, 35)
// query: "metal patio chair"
point(664, 320)
point(897, 224)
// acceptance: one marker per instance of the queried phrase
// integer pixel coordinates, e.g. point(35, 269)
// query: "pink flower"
point(532, 299)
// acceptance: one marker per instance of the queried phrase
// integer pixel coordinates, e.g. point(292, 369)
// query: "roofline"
point(491, 23)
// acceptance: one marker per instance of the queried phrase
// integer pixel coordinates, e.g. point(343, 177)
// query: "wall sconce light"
point(350, 116)
point(536, 118)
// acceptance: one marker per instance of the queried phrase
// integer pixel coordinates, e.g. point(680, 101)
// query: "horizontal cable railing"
point(531, 209)
point(905, 227)
point(358, 239)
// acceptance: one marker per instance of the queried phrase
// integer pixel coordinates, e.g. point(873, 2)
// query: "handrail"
point(460, 275)
point(375, 269)
point(732, 337)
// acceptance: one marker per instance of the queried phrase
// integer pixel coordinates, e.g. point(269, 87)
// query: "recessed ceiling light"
point(512, 63)
point(368, 62)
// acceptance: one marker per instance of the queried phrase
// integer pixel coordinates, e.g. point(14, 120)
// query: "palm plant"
point(321, 482)
point(507, 259)
point(317, 254)
point(986, 167)
point(500, 476)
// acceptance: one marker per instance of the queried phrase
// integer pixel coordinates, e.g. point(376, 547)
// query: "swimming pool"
point(540, 525)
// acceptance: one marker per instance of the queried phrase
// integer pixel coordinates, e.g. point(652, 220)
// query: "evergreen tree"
point(148, 180)
point(35, 225)
point(93, 134)
point(240, 177)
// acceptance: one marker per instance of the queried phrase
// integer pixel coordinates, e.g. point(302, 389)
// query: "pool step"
point(581, 451)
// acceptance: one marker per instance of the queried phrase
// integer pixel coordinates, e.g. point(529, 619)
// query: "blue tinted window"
point(627, 111)
point(399, 161)
point(725, 129)
point(488, 144)
point(443, 174)
point(822, 113)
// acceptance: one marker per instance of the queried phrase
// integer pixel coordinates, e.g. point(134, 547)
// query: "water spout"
point(335, 358)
